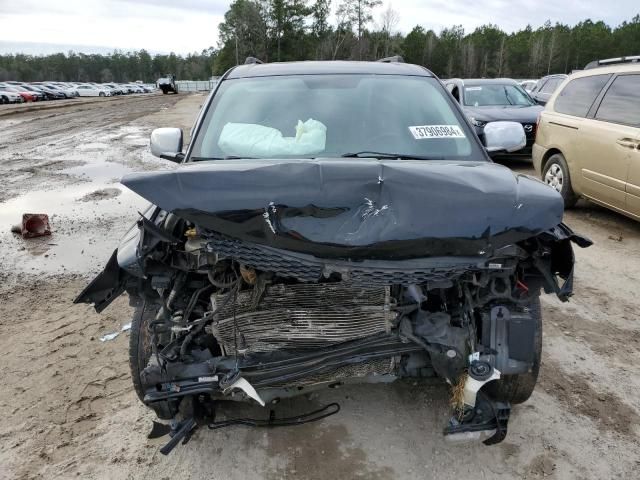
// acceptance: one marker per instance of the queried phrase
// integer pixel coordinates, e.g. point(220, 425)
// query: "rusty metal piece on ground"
point(33, 225)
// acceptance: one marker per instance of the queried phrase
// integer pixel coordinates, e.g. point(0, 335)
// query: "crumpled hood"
point(510, 114)
point(357, 208)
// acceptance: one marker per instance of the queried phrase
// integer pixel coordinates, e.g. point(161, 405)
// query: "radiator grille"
point(306, 268)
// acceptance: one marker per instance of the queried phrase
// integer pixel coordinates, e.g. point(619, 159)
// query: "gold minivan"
point(588, 137)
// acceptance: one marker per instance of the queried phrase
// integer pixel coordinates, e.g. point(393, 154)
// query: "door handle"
point(629, 143)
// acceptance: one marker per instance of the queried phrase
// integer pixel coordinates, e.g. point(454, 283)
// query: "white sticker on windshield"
point(436, 131)
point(472, 89)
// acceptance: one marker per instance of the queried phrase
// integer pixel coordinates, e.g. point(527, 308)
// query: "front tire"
point(140, 344)
point(556, 175)
point(101, 94)
point(518, 388)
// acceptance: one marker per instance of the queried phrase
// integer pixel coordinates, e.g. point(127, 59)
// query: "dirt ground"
point(69, 408)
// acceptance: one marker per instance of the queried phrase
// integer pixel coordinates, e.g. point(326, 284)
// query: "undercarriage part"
point(314, 416)
point(486, 421)
point(509, 336)
point(301, 317)
point(372, 368)
point(181, 431)
point(176, 379)
point(479, 374)
point(235, 381)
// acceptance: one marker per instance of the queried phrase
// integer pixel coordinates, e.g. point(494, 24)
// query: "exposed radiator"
point(302, 317)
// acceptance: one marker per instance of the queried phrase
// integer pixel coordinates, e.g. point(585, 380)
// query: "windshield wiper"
point(395, 156)
point(506, 94)
point(228, 157)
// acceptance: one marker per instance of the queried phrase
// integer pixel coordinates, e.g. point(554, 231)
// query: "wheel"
point(101, 94)
point(556, 175)
point(518, 388)
point(140, 344)
point(3, 100)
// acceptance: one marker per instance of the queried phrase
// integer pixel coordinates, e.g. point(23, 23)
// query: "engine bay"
point(225, 319)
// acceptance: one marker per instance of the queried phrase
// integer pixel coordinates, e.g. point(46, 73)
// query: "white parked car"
point(7, 96)
point(528, 85)
point(135, 88)
point(93, 91)
point(69, 91)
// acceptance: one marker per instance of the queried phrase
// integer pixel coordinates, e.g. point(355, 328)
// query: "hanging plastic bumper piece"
point(480, 418)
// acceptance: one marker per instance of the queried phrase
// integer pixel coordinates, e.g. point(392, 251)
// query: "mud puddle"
point(85, 228)
point(88, 208)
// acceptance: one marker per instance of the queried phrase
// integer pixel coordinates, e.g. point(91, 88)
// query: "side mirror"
point(166, 143)
point(504, 137)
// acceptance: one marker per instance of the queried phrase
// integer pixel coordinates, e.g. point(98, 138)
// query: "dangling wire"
point(235, 320)
point(198, 328)
point(272, 422)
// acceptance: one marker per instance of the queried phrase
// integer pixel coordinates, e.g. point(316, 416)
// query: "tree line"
point(286, 30)
point(282, 30)
point(115, 67)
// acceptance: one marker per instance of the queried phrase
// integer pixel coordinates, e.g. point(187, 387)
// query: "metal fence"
point(195, 85)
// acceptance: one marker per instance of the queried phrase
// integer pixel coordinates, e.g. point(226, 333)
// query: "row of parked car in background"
point(20, 92)
point(582, 130)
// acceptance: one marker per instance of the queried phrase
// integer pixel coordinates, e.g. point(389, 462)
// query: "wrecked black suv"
point(337, 222)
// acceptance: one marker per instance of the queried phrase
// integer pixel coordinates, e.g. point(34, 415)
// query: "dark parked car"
point(331, 223)
point(486, 101)
point(63, 93)
point(545, 87)
point(51, 94)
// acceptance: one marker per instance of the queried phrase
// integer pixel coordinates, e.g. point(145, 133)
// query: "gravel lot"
point(70, 410)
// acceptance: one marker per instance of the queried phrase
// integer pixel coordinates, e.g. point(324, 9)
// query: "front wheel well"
point(549, 153)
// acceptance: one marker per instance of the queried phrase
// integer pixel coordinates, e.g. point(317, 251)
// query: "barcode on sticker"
point(208, 379)
point(436, 131)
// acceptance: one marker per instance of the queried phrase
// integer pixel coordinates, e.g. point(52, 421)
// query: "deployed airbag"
point(250, 140)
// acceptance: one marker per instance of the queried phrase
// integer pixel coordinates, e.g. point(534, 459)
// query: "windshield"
point(310, 116)
point(492, 95)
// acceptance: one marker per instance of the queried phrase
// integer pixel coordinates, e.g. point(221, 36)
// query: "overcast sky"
point(46, 26)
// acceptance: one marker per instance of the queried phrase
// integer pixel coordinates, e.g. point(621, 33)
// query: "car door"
point(620, 108)
point(602, 155)
point(633, 180)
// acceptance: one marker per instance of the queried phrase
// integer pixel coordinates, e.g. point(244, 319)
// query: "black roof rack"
point(394, 59)
point(252, 60)
point(612, 61)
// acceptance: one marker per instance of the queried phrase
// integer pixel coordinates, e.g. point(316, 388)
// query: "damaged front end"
point(257, 281)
